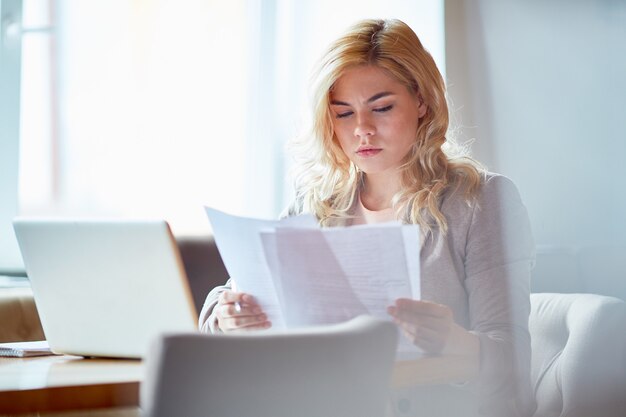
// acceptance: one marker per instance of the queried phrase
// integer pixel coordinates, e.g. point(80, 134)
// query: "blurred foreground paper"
point(304, 275)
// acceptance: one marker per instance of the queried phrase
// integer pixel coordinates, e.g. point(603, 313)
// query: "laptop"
point(105, 287)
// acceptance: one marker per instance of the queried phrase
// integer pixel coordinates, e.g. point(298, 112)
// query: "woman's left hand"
point(431, 327)
point(428, 325)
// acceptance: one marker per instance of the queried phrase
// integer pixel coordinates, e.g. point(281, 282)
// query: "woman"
point(377, 151)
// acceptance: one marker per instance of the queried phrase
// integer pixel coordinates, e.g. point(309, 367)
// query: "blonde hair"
point(327, 182)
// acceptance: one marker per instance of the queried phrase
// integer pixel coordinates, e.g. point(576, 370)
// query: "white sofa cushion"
point(579, 354)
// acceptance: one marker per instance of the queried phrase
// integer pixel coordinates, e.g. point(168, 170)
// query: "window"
point(156, 108)
point(10, 48)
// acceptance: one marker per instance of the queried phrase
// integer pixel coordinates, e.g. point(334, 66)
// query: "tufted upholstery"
point(579, 355)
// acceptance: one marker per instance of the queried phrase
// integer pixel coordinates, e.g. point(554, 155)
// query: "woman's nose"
point(364, 127)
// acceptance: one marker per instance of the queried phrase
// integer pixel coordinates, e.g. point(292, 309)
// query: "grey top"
point(481, 270)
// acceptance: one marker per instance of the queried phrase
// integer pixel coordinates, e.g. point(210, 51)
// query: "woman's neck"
point(378, 191)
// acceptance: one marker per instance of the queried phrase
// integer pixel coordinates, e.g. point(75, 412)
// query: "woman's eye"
point(344, 114)
point(384, 109)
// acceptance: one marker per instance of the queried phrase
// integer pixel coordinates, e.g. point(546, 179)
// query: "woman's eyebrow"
point(379, 95)
point(369, 100)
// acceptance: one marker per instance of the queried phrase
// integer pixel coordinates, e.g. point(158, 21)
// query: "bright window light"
point(138, 108)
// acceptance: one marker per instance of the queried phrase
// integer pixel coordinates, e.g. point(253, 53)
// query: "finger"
point(228, 297)
point(423, 333)
point(425, 323)
point(262, 326)
point(425, 329)
point(234, 323)
point(427, 339)
point(422, 307)
point(232, 310)
point(237, 322)
point(420, 320)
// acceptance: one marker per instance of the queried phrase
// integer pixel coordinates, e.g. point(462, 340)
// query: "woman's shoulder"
point(495, 191)
point(492, 186)
point(498, 189)
point(495, 214)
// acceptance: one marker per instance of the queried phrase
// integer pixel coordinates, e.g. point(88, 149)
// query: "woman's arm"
point(496, 252)
point(207, 322)
point(498, 260)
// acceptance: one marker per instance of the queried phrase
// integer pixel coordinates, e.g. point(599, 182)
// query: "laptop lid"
point(105, 287)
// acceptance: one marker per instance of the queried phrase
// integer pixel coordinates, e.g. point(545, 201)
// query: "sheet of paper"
point(412, 247)
point(335, 274)
point(25, 349)
point(239, 243)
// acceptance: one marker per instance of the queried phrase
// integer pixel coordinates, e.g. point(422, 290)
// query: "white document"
point(304, 275)
point(239, 243)
point(332, 275)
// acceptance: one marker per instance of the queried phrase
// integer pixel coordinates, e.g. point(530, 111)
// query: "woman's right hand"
point(237, 311)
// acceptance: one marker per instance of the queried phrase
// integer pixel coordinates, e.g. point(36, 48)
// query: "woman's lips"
point(366, 153)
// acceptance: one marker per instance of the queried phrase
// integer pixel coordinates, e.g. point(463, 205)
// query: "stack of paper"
point(303, 275)
point(25, 349)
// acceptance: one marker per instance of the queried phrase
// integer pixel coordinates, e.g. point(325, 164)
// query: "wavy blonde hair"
point(327, 182)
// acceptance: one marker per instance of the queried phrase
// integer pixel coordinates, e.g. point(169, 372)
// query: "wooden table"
point(57, 383)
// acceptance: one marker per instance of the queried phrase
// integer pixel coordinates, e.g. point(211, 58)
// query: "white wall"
point(541, 85)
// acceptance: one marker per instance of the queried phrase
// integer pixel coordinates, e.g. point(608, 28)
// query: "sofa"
point(578, 366)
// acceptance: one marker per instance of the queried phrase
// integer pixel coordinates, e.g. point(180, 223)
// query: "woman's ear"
point(421, 106)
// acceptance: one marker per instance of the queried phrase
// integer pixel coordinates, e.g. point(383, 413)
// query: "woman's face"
point(375, 118)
